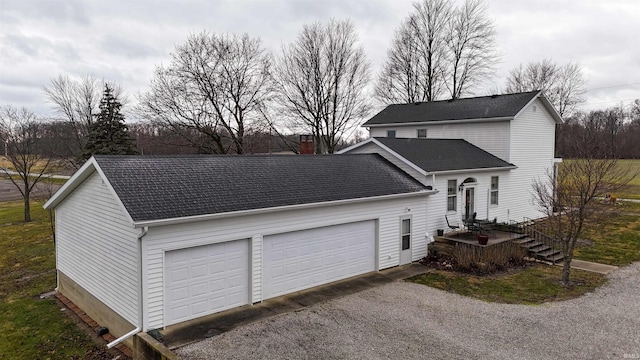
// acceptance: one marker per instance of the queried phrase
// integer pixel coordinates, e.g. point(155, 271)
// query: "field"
point(632, 190)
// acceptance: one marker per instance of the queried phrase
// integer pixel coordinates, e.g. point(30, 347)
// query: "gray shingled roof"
point(433, 155)
point(165, 187)
point(470, 108)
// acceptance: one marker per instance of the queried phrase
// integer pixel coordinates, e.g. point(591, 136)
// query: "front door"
point(405, 241)
point(469, 206)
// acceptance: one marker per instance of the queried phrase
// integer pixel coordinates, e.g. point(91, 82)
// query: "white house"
point(508, 142)
point(145, 242)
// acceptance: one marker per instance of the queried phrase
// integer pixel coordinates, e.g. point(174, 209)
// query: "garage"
point(302, 259)
point(206, 279)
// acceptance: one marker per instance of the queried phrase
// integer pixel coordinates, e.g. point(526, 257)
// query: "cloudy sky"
point(123, 41)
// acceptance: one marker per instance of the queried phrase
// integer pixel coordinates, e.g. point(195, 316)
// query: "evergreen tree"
point(109, 134)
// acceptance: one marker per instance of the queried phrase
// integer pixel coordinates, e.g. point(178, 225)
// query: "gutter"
point(123, 337)
point(187, 219)
point(140, 309)
point(472, 170)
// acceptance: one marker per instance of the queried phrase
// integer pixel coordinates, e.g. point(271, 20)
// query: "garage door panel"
point(206, 279)
point(299, 260)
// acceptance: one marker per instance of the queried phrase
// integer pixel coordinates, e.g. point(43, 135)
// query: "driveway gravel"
point(403, 320)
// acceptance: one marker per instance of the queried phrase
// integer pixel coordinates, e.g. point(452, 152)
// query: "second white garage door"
point(299, 260)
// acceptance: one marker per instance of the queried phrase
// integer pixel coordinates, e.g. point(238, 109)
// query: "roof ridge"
point(468, 98)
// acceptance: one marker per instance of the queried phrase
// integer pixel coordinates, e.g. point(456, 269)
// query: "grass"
point(533, 285)
point(631, 190)
point(617, 242)
point(32, 328)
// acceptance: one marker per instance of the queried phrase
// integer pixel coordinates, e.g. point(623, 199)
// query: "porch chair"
point(451, 227)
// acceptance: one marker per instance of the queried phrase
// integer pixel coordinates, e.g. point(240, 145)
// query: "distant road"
point(49, 176)
point(9, 192)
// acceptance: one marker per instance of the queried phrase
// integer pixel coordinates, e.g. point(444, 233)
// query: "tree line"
point(228, 94)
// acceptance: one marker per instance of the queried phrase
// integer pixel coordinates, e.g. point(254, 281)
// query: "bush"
point(488, 259)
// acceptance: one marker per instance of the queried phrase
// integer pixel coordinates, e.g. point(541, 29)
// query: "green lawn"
point(533, 285)
point(32, 328)
point(616, 242)
point(632, 190)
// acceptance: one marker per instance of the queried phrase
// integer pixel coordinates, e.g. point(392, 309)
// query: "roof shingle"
point(485, 107)
point(166, 187)
point(433, 155)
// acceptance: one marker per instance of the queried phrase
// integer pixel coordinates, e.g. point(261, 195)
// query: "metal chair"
point(451, 227)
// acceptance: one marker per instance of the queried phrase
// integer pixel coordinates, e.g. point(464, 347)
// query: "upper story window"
point(391, 133)
point(494, 190)
point(452, 186)
point(422, 133)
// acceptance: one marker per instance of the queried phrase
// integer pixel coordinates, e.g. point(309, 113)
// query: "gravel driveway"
point(410, 321)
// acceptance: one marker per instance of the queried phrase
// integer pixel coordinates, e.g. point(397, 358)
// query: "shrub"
point(488, 259)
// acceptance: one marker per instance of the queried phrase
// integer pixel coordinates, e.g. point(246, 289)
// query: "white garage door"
point(206, 279)
point(303, 259)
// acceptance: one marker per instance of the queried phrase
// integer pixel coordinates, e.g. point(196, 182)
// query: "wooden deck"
point(446, 243)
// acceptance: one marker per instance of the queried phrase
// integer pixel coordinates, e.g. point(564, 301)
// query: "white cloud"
point(125, 41)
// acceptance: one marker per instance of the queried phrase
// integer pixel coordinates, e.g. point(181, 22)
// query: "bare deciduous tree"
point(471, 52)
point(575, 195)
point(20, 133)
point(215, 85)
point(438, 49)
point(321, 80)
point(562, 85)
point(77, 100)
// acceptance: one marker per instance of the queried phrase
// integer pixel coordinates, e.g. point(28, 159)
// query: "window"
point(494, 190)
point(406, 234)
point(391, 133)
point(452, 186)
point(422, 133)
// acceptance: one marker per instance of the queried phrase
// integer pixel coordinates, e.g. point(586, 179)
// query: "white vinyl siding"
point(96, 246)
point(491, 136)
point(452, 188)
point(532, 151)
point(170, 237)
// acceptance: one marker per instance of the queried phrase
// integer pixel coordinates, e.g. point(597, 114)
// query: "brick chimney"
point(306, 145)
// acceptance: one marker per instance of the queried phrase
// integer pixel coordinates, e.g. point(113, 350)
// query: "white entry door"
point(405, 241)
point(302, 259)
point(206, 279)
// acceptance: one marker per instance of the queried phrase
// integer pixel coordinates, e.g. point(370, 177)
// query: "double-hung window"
point(494, 190)
point(452, 186)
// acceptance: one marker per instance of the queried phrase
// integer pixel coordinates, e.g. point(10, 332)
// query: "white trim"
point(554, 113)
point(77, 179)
point(415, 167)
point(188, 219)
point(464, 171)
point(355, 146)
point(448, 121)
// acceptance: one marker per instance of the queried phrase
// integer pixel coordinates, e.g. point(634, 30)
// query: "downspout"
point(140, 309)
